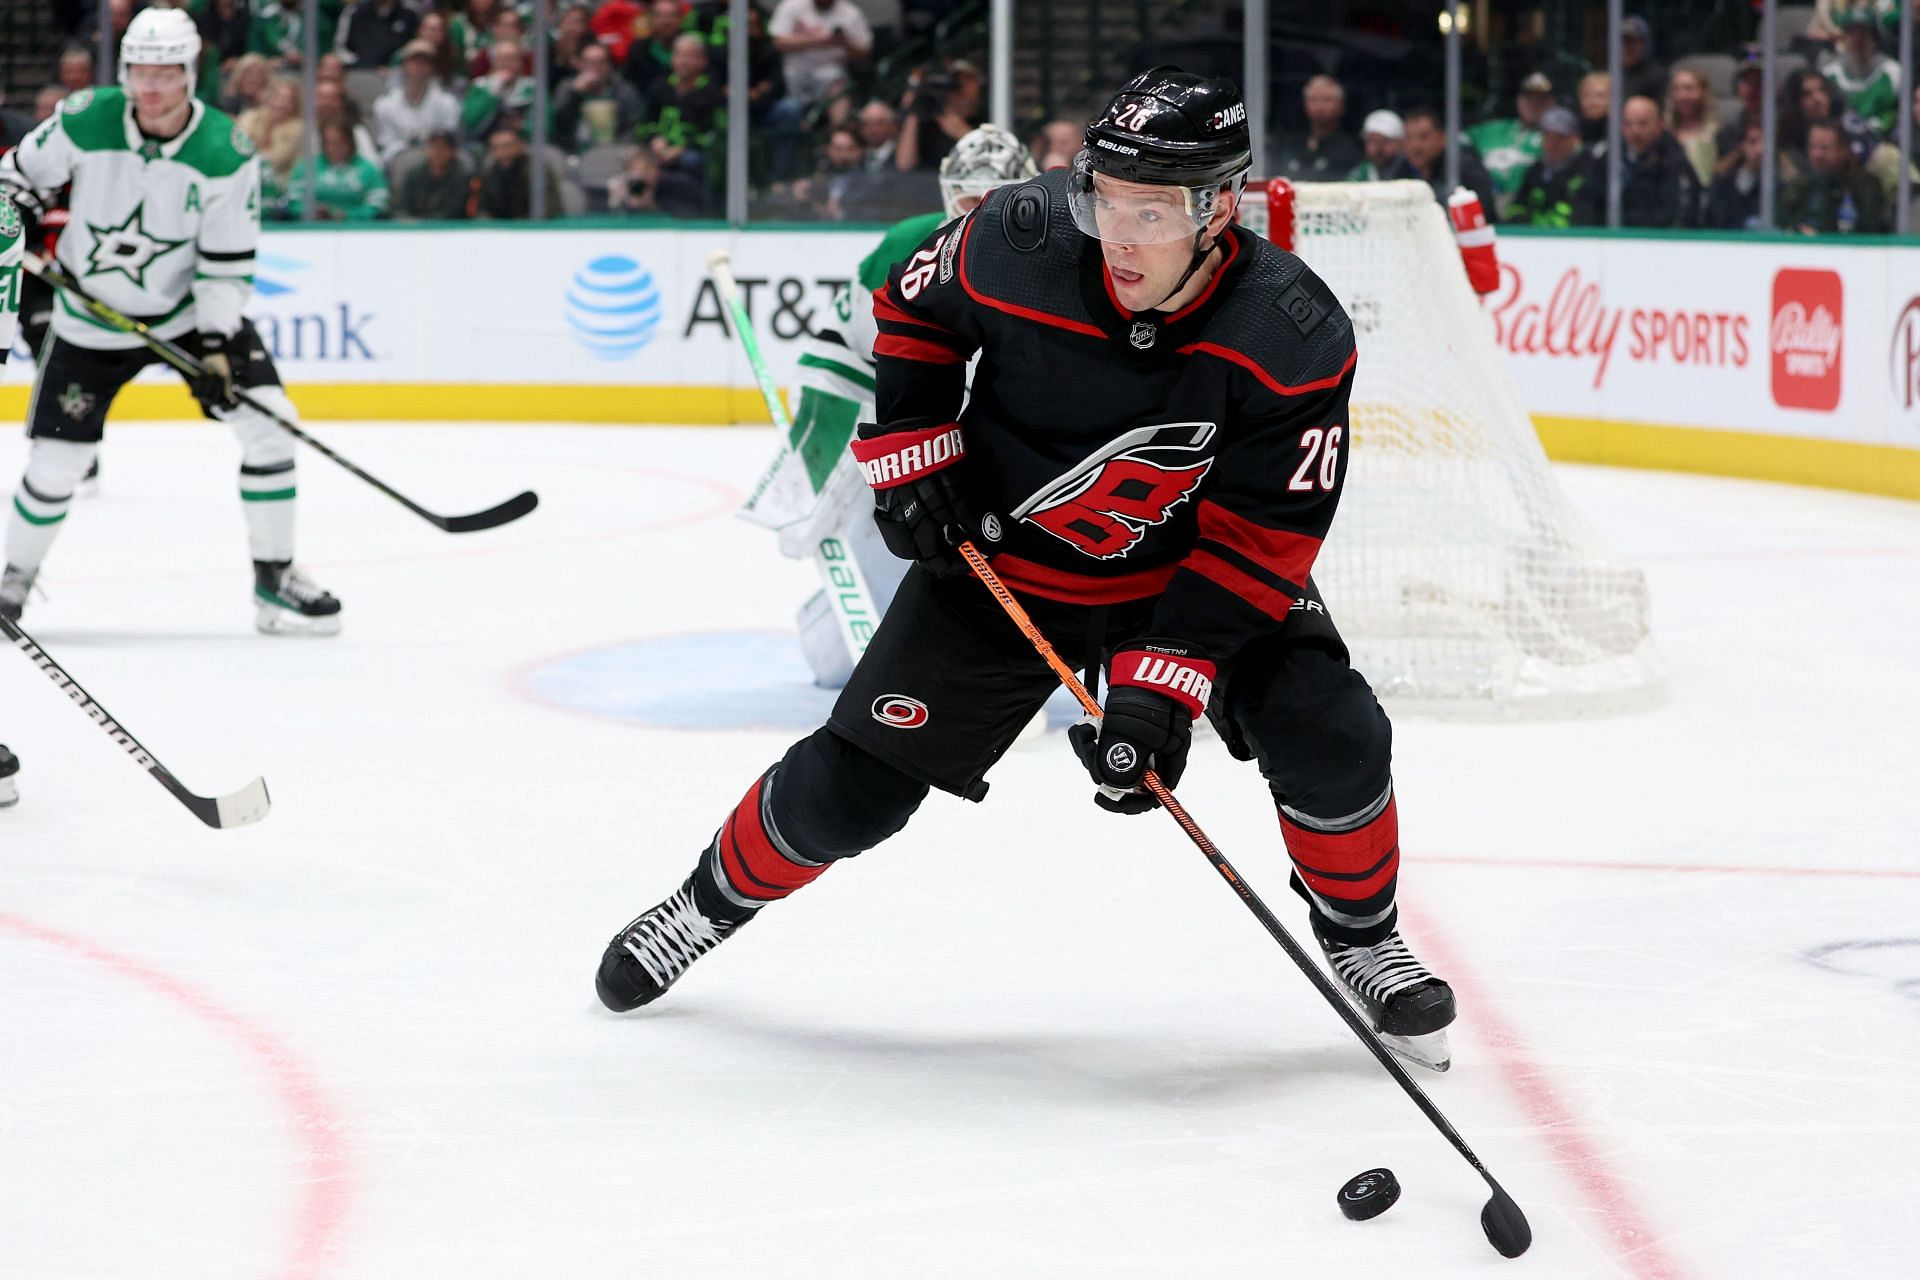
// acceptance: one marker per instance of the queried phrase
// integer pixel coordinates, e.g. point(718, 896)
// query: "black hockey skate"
point(1409, 1007)
point(287, 602)
point(14, 585)
point(9, 766)
point(650, 954)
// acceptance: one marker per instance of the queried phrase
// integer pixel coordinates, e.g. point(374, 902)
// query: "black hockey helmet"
point(1165, 128)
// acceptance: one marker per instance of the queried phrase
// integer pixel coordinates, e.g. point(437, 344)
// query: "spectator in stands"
point(472, 34)
point(1733, 199)
point(223, 27)
point(448, 66)
point(76, 69)
point(278, 133)
point(502, 93)
point(1868, 80)
point(821, 41)
point(330, 102)
point(347, 187)
point(650, 60)
point(572, 32)
point(274, 31)
point(767, 99)
point(595, 106)
point(942, 108)
point(506, 183)
point(1383, 139)
point(1059, 141)
point(414, 107)
point(1657, 183)
point(1562, 188)
point(14, 125)
point(1747, 84)
point(1836, 197)
point(839, 172)
point(879, 134)
point(636, 190)
point(330, 67)
point(682, 126)
point(372, 31)
point(613, 24)
point(1643, 75)
point(1693, 118)
point(439, 187)
point(507, 27)
point(1323, 152)
point(1591, 96)
point(1426, 150)
point(246, 86)
point(1508, 146)
point(1830, 18)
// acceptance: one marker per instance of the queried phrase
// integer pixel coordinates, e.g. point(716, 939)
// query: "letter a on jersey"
point(1107, 501)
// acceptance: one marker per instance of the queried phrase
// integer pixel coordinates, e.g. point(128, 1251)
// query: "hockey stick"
point(1506, 1227)
point(846, 586)
point(54, 274)
point(240, 808)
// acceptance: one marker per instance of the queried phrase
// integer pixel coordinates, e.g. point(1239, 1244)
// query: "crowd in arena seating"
point(1685, 163)
point(424, 110)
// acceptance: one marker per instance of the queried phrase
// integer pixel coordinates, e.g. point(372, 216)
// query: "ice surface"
point(1024, 1039)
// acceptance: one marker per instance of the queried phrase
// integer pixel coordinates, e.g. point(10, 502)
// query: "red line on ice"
point(1637, 1243)
point(325, 1188)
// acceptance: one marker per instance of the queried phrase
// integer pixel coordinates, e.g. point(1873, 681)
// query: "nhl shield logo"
point(1142, 335)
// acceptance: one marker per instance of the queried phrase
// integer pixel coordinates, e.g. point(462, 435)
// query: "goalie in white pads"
point(815, 489)
point(165, 222)
point(12, 250)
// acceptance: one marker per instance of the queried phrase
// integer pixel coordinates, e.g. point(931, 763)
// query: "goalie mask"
point(988, 157)
point(161, 38)
point(1158, 158)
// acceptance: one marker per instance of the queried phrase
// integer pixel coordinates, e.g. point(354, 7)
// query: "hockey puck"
point(1370, 1194)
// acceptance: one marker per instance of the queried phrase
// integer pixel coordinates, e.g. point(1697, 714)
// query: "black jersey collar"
point(1096, 288)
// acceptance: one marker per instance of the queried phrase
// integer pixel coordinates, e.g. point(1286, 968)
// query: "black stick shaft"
point(249, 804)
point(182, 360)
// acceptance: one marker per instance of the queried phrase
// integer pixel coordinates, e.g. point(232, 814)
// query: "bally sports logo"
point(1806, 339)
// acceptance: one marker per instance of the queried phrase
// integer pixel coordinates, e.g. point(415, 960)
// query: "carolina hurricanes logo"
point(898, 711)
point(1106, 502)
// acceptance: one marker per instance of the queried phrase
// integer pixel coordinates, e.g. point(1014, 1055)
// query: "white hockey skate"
point(288, 603)
point(14, 585)
point(9, 766)
point(1399, 997)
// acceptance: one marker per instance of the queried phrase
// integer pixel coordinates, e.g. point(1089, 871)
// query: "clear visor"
point(1135, 213)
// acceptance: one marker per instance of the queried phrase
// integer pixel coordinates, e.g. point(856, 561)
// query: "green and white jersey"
point(1874, 94)
point(162, 231)
point(1508, 148)
point(13, 249)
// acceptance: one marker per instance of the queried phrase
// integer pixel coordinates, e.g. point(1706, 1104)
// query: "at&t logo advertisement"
point(1806, 339)
point(613, 307)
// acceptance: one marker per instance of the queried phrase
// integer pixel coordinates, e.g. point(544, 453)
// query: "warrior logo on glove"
point(1108, 500)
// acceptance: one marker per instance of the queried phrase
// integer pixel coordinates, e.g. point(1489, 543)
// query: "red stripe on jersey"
point(1079, 588)
point(1044, 317)
point(885, 308)
point(920, 349)
point(754, 864)
point(1289, 555)
point(1346, 866)
point(1247, 362)
point(1268, 600)
point(1219, 273)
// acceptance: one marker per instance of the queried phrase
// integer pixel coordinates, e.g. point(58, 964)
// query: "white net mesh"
point(1461, 576)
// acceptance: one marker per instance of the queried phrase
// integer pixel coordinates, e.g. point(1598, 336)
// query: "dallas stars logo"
point(75, 402)
point(127, 248)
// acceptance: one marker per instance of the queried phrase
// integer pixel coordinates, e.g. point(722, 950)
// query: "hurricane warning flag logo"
point(613, 307)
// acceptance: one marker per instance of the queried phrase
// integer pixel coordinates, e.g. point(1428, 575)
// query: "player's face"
point(157, 89)
point(1145, 273)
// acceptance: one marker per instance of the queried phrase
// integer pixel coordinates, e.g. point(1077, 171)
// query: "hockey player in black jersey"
point(1152, 452)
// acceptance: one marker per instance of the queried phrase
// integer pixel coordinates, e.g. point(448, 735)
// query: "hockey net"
point(1462, 577)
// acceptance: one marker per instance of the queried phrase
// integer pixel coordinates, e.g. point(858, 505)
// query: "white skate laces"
point(672, 936)
point(1381, 971)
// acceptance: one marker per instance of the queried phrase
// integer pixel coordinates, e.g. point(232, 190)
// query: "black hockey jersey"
point(1193, 456)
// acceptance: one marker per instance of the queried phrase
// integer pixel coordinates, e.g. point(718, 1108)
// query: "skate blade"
point(271, 620)
point(1430, 1051)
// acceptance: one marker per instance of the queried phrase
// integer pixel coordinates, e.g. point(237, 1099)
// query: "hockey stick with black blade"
point(493, 517)
point(1506, 1226)
point(240, 808)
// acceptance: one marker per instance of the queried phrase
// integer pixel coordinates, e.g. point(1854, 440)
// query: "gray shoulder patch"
point(1024, 217)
